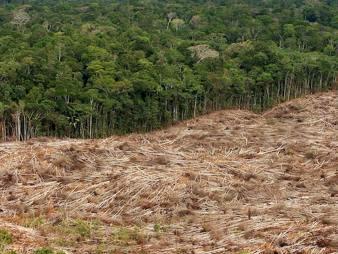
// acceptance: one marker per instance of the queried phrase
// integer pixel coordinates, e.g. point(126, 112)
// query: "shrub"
point(47, 251)
point(5, 237)
point(43, 251)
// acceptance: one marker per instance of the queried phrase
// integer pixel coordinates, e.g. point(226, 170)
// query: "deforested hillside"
point(228, 182)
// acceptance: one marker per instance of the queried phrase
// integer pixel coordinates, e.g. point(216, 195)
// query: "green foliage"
point(5, 238)
point(77, 228)
point(44, 251)
point(123, 236)
point(92, 69)
point(157, 228)
point(82, 228)
point(34, 222)
point(47, 251)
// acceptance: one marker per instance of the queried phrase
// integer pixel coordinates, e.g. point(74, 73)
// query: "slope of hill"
point(229, 182)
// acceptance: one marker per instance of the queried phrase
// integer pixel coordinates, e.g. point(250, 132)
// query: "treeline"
point(95, 68)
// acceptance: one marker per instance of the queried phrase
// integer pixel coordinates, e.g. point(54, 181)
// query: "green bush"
point(5, 237)
point(47, 251)
point(44, 251)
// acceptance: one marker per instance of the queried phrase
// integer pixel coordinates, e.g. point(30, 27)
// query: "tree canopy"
point(95, 68)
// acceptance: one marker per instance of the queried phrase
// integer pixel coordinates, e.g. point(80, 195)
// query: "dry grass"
point(228, 182)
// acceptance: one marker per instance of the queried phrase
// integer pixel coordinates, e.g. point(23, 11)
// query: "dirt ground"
point(229, 182)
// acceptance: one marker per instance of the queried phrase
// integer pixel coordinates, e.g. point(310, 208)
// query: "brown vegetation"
point(229, 182)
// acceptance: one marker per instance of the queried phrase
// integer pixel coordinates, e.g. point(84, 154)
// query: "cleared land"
point(228, 182)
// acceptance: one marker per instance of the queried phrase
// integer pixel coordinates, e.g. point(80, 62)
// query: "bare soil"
point(229, 182)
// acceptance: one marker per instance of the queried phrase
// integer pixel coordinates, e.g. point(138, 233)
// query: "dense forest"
point(92, 68)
